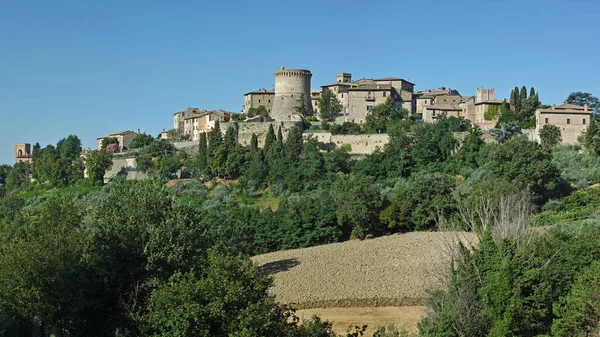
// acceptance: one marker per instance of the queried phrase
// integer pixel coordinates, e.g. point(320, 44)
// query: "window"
point(568, 120)
point(546, 120)
point(259, 100)
point(269, 101)
point(369, 107)
point(342, 95)
point(20, 153)
point(426, 102)
point(384, 93)
point(584, 121)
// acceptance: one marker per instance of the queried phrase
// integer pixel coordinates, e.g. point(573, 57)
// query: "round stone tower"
point(290, 85)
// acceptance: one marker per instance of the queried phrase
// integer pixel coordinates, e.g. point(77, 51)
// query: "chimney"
point(553, 106)
point(585, 107)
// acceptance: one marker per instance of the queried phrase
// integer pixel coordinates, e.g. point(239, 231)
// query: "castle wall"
point(289, 86)
point(359, 144)
point(246, 129)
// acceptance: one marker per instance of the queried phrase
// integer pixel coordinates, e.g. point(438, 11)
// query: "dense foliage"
point(145, 258)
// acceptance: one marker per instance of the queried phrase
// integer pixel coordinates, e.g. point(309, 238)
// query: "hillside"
point(344, 281)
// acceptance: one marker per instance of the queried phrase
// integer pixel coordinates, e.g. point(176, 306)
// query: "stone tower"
point(290, 84)
point(22, 153)
point(483, 95)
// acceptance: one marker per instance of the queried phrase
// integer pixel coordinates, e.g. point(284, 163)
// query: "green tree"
point(69, 147)
point(141, 140)
point(383, 115)
point(19, 177)
point(468, 153)
point(216, 151)
point(202, 155)
point(550, 136)
point(581, 98)
point(358, 204)
point(97, 164)
point(301, 109)
point(329, 106)
point(254, 142)
point(418, 204)
point(259, 111)
point(527, 165)
point(578, 313)
point(4, 171)
point(591, 137)
point(504, 132)
point(270, 138)
point(107, 141)
point(517, 100)
point(513, 100)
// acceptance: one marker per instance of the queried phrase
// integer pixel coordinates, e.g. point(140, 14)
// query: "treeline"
point(129, 260)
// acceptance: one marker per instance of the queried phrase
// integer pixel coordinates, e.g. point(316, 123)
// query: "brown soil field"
point(381, 280)
point(405, 318)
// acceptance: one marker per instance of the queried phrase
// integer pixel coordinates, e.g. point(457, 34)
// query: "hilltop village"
point(366, 203)
point(294, 101)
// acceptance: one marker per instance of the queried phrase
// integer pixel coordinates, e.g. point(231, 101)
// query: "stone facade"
point(432, 112)
point(359, 144)
point(440, 96)
point(179, 117)
point(124, 138)
point(571, 119)
point(204, 122)
point(254, 99)
point(246, 129)
point(359, 97)
point(290, 85)
point(23, 153)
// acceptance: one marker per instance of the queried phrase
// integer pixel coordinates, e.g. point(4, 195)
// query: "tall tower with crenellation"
point(290, 85)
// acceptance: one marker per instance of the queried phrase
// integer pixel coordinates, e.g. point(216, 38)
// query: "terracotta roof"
point(220, 113)
point(491, 101)
point(260, 91)
point(345, 84)
point(120, 133)
point(464, 99)
point(391, 78)
point(371, 87)
point(442, 107)
point(570, 107)
point(567, 108)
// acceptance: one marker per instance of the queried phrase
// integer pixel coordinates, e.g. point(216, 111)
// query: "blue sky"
point(91, 67)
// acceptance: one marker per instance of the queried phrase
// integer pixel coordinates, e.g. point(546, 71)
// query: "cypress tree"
point(531, 92)
point(293, 144)
point(513, 101)
point(270, 138)
point(254, 142)
point(517, 101)
point(230, 141)
point(201, 157)
point(523, 96)
point(280, 136)
point(215, 151)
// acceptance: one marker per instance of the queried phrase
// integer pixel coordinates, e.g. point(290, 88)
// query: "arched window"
point(20, 153)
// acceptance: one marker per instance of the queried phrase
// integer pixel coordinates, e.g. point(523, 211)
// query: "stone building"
point(360, 96)
point(203, 122)
point(290, 86)
point(432, 112)
point(439, 96)
point(254, 99)
point(23, 153)
point(315, 94)
point(179, 117)
point(474, 109)
point(124, 138)
point(571, 119)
